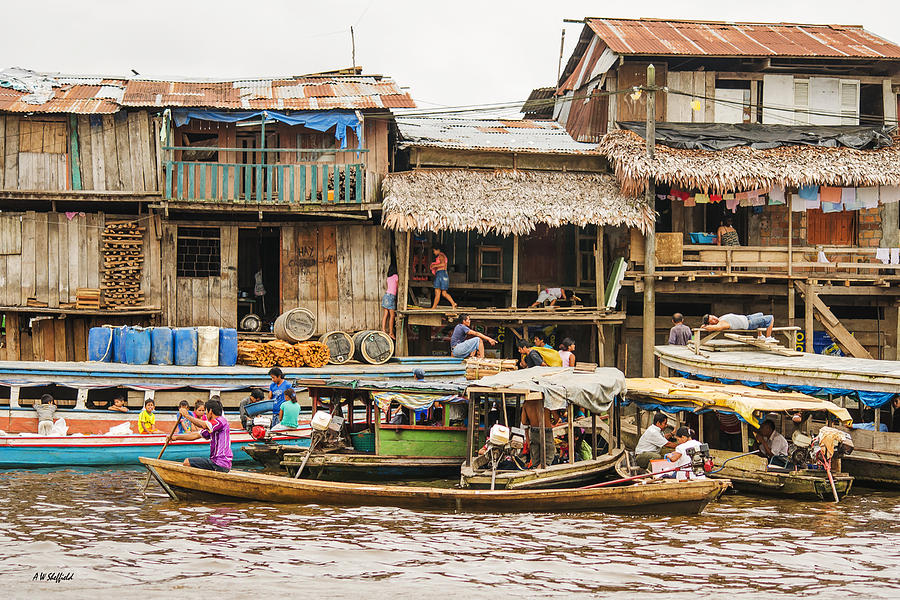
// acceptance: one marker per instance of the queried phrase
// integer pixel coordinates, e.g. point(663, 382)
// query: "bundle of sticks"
point(314, 354)
point(255, 354)
point(476, 368)
point(285, 354)
point(123, 263)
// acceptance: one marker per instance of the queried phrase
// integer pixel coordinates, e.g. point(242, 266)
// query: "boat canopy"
point(676, 395)
point(443, 388)
point(562, 385)
point(413, 401)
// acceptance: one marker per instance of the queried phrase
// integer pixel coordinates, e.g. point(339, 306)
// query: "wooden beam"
point(402, 295)
point(514, 292)
point(808, 299)
point(837, 330)
point(570, 428)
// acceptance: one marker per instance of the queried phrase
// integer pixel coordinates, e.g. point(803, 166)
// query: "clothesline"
point(828, 199)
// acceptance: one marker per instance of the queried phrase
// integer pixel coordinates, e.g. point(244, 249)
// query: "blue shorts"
point(464, 349)
point(441, 280)
point(389, 301)
point(759, 320)
point(199, 462)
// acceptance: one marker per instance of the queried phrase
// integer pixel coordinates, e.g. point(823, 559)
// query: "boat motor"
point(701, 461)
point(261, 427)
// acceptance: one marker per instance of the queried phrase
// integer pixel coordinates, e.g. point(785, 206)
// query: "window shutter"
point(801, 101)
point(849, 102)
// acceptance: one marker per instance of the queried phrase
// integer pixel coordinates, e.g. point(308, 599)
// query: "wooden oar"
point(168, 439)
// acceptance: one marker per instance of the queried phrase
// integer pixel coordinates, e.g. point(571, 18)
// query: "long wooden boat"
point(858, 382)
point(565, 474)
point(672, 498)
point(749, 473)
point(107, 450)
point(369, 467)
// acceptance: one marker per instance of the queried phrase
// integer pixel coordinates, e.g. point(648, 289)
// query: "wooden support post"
point(14, 396)
point(12, 337)
point(809, 300)
point(637, 421)
point(594, 435)
point(745, 438)
point(570, 428)
point(791, 300)
point(700, 427)
point(790, 240)
point(601, 346)
point(401, 347)
point(877, 419)
point(598, 268)
point(473, 428)
point(649, 324)
point(542, 437)
point(81, 399)
point(514, 298)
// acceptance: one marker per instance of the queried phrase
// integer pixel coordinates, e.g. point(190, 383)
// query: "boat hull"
point(664, 498)
point(873, 468)
point(97, 451)
point(748, 474)
point(369, 467)
point(556, 476)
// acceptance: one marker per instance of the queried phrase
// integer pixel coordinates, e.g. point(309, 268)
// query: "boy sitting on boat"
point(217, 431)
point(680, 457)
point(45, 408)
point(118, 404)
point(186, 430)
point(147, 420)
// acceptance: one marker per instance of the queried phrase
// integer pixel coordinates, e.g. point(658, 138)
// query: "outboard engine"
point(701, 461)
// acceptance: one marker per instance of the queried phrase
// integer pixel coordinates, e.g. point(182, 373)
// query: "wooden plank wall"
point(375, 132)
point(337, 272)
point(193, 301)
point(53, 338)
point(116, 153)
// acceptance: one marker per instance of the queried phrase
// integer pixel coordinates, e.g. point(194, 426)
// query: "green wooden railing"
point(303, 183)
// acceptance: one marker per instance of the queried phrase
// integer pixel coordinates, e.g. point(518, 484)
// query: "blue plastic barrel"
point(137, 346)
point(227, 347)
point(100, 344)
point(186, 346)
point(119, 344)
point(162, 346)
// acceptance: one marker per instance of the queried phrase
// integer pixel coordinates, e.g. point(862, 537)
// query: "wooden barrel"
point(373, 347)
point(295, 325)
point(340, 345)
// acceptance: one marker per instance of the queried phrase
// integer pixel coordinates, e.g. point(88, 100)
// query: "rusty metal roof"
point(490, 135)
point(708, 38)
point(27, 91)
point(293, 93)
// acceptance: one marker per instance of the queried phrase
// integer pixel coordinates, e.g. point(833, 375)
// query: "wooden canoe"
point(555, 476)
point(685, 497)
point(749, 474)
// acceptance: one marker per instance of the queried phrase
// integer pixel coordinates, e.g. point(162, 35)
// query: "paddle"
point(168, 439)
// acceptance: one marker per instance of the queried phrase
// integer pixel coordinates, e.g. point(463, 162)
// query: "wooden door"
point(831, 229)
point(635, 74)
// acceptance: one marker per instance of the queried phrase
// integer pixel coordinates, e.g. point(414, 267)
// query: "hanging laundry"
point(895, 256)
point(776, 196)
point(822, 258)
point(809, 192)
point(701, 198)
point(757, 198)
point(832, 207)
point(889, 194)
point(689, 202)
point(715, 198)
point(883, 254)
point(731, 203)
point(798, 204)
point(831, 195)
point(812, 204)
point(849, 199)
point(71, 215)
point(661, 196)
point(867, 197)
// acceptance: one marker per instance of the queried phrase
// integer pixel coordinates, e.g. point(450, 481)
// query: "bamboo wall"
point(114, 152)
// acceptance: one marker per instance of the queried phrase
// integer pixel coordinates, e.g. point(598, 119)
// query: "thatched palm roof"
point(743, 168)
point(506, 202)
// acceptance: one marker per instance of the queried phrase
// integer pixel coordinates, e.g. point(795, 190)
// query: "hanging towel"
point(811, 204)
point(889, 194)
point(757, 200)
point(809, 192)
point(883, 254)
point(715, 198)
point(731, 203)
point(895, 256)
point(776, 196)
point(832, 207)
point(849, 199)
point(661, 196)
point(867, 197)
point(701, 198)
point(728, 196)
point(831, 195)
point(798, 204)
point(689, 201)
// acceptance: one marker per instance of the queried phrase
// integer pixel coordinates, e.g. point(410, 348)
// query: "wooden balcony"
point(276, 181)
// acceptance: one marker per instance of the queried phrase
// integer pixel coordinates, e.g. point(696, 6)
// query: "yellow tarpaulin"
point(741, 399)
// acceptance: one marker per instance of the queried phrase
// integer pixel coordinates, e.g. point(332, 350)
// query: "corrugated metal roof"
point(540, 103)
point(490, 135)
point(294, 93)
point(705, 38)
point(32, 92)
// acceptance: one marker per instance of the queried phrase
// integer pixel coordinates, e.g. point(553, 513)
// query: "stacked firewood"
point(123, 263)
point(283, 354)
point(476, 368)
point(255, 354)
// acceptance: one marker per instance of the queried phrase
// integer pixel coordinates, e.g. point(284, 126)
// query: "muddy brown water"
point(93, 531)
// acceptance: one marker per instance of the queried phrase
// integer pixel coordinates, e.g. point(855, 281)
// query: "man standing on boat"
point(756, 321)
point(539, 421)
point(650, 446)
point(771, 443)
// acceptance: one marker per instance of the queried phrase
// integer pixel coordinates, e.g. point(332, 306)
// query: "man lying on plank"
point(756, 321)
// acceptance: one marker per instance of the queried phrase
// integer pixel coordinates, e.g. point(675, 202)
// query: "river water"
point(96, 533)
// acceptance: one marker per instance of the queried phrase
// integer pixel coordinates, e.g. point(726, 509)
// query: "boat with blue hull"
point(108, 450)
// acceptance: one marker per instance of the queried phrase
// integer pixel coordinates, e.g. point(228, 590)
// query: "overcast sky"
point(447, 53)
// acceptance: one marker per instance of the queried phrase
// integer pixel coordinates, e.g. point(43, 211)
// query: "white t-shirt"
point(555, 292)
point(651, 440)
point(778, 444)
point(682, 449)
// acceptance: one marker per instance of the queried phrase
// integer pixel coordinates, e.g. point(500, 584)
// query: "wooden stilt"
point(401, 344)
point(570, 427)
point(514, 297)
point(809, 300)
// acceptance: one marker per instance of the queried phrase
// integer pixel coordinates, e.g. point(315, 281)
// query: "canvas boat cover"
point(721, 136)
point(562, 385)
point(676, 395)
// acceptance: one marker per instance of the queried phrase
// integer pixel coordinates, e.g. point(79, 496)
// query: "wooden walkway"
point(581, 314)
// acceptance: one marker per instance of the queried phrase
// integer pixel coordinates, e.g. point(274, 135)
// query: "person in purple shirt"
point(466, 342)
point(218, 432)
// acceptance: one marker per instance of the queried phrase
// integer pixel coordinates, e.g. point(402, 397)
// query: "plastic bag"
point(120, 429)
point(59, 429)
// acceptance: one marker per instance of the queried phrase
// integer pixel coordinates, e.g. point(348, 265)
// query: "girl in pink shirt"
point(389, 301)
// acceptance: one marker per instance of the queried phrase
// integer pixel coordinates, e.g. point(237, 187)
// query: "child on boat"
point(186, 430)
point(680, 457)
point(218, 432)
point(45, 408)
point(289, 414)
point(147, 420)
point(118, 404)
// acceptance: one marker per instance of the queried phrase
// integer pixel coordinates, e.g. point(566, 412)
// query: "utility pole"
point(353, 47)
point(562, 45)
point(649, 340)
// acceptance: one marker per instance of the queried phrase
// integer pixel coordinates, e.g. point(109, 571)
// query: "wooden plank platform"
point(442, 314)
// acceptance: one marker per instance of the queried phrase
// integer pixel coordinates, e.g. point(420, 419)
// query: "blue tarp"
point(321, 120)
point(870, 399)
